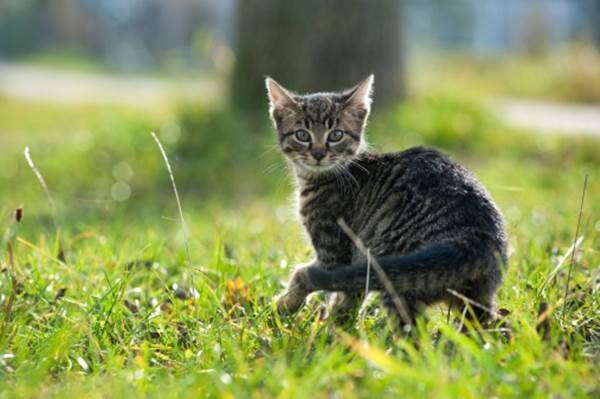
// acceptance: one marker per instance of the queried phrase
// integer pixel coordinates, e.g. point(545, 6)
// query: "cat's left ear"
point(281, 102)
point(279, 97)
point(358, 99)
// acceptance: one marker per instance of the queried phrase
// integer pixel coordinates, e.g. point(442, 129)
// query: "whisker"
point(273, 167)
point(270, 147)
point(353, 162)
point(347, 173)
point(338, 178)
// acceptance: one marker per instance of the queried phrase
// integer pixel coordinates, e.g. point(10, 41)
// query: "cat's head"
point(319, 132)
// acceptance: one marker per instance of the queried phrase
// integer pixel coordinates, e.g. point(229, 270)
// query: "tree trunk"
point(596, 21)
point(316, 45)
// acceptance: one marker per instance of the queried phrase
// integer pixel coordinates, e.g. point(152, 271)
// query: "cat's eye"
point(335, 136)
point(303, 136)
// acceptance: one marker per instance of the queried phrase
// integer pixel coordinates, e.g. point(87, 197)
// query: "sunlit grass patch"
point(116, 319)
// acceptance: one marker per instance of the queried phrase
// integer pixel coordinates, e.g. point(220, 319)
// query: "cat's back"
point(419, 167)
point(421, 193)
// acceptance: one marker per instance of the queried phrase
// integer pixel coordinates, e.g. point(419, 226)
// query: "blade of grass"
point(181, 218)
point(561, 262)
point(585, 182)
point(13, 291)
point(51, 203)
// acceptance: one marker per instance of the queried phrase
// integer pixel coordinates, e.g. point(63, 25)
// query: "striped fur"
point(430, 224)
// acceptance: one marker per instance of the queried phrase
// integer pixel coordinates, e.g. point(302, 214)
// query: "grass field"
point(113, 317)
point(567, 74)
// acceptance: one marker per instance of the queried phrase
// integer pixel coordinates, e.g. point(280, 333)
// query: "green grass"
point(568, 74)
point(109, 321)
point(63, 59)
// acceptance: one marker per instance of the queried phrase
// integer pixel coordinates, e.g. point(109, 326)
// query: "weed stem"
point(585, 182)
point(181, 218)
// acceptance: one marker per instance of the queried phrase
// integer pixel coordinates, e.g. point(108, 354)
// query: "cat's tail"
point(437, 267)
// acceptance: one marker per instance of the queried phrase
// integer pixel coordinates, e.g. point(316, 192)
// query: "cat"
point(431, 227)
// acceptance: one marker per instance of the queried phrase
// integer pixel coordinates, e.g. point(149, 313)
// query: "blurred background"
point(510, 87)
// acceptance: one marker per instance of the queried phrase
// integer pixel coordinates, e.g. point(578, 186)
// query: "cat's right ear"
point(281, 101)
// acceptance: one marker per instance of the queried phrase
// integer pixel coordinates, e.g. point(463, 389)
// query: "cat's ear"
point(281, 101)
point(358, 99)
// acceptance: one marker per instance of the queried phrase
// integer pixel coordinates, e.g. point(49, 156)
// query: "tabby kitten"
point(431, 226)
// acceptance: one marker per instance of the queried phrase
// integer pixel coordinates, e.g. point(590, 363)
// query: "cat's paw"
point(298, 289)
point(289, 303)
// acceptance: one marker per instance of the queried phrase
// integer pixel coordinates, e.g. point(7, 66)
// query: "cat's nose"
point(319, 153)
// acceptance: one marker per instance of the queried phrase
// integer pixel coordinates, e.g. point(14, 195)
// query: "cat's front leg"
point(299, 287)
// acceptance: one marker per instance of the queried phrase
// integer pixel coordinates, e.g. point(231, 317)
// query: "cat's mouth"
point(316, 168)
point(320, 167)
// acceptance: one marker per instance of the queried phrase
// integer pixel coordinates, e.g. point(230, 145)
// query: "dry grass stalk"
point(561, 261)
point(472, 302)
point(389, 287)
point(181, 218)
point(51, 204)
point(585, 182)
